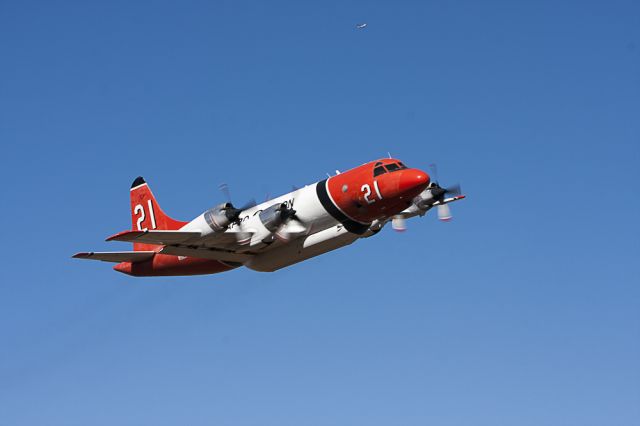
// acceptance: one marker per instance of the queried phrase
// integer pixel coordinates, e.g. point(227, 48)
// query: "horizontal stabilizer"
point(116, 256)
point(159, 238)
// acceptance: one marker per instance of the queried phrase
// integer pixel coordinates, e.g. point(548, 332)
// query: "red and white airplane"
point(294, 227)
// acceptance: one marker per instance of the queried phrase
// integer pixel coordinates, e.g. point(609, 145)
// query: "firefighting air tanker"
point(266, 237)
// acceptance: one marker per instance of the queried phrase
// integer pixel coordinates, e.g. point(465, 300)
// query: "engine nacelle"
point(272, 217)
point(424, 200)
point(376, 226)
point(217, 218)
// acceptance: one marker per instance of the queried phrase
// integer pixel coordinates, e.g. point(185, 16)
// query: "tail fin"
point(146, 213)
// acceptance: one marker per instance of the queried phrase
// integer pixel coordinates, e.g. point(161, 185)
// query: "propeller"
point(230, 211)
point(433, 198)
point(281, 221)
point(233, 213)
point(288, 220)
point(453, 190)
point(438, 193)
point(286, 213)
point(224, 188)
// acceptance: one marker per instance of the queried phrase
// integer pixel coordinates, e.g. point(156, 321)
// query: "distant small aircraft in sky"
point(361, 26)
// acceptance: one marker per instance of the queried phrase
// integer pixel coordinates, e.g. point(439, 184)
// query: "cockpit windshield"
point(380, 169)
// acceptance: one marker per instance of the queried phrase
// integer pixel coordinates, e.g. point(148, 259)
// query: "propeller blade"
point(249, 204)
point(224, 188)
point(398, 223)
point(454, 189)
point(243, 238)
point(286, 212)
point(295, 227)
point(290, 230)
point(433, 168)
point(232, 212)
point(444, 213)
point(291, 226)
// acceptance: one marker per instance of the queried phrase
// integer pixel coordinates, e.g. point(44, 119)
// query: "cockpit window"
point(379, 170)
point(392, 167)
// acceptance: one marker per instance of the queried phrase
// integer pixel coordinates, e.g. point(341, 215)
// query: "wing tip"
point(82, 255)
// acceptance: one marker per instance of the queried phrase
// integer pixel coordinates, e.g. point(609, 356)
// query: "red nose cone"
point(413, 180)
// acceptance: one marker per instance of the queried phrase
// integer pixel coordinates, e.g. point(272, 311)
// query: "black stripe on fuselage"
point(350, 225)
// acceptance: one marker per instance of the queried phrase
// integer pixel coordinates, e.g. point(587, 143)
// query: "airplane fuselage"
point(279, 232)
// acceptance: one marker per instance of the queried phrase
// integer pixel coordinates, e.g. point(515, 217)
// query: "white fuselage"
point(314, 232)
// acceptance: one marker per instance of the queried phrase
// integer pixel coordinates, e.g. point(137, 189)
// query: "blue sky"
point(525, 310)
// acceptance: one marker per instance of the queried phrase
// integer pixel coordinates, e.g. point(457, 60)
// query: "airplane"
point(280, 232)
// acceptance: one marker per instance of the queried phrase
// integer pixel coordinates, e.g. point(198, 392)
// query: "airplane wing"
point(220, 246)
point(224, 240)
point(116, 256)
point(206, 253)
point(160, 238)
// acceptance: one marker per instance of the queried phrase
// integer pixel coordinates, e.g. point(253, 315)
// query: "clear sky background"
point(525, 310)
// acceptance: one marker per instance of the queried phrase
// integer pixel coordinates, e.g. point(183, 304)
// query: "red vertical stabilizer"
point(146, 213)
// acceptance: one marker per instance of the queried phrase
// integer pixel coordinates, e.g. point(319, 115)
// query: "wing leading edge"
point(160, 238)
